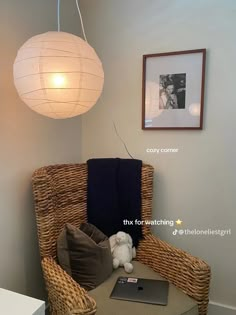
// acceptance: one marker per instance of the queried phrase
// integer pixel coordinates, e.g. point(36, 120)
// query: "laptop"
point(141, 290)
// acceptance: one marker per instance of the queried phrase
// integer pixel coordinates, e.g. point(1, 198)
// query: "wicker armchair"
point(60, 193)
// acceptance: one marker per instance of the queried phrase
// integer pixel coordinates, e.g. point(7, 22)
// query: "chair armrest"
point(190, 274)
point(66, 297)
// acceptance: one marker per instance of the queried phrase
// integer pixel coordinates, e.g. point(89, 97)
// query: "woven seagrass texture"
point(65, 295)
point(60, 194)
point(189, 273)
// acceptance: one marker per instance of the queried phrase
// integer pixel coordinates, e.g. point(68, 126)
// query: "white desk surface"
point(12, 303)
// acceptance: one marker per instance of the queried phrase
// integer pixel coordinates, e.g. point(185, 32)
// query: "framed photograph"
point(173, 90)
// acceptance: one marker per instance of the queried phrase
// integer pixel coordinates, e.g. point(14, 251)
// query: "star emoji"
point(178, 222)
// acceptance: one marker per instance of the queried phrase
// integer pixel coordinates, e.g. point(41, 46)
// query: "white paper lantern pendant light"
point(58, 74)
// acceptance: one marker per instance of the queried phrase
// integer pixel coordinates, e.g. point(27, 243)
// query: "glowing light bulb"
point(58, 80)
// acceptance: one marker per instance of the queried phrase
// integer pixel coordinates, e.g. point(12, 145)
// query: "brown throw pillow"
point(85, 254)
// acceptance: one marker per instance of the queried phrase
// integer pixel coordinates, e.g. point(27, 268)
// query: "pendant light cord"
point(58, 15)
point(124, 144)
point(114, 125)
point(117, 133)
point(85, 38)
point(80, 15)
point(81, 20)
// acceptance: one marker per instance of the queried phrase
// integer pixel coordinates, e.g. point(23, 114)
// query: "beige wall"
point(197, 184)
point(27, 141)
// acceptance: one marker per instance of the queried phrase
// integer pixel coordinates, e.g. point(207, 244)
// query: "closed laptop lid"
point(141, 290)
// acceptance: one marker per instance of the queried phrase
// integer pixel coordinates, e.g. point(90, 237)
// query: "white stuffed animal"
point(122, 251)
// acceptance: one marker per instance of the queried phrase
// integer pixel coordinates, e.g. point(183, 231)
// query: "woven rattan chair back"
point(60, 194)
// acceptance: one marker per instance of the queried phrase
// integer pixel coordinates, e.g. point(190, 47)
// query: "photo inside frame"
point(173, 91)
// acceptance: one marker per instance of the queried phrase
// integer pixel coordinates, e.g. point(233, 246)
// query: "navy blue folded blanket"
point(114, 195)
